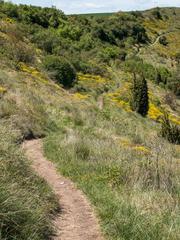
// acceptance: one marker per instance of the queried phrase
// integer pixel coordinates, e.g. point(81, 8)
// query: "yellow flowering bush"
point(2, 90)
point(92, 81)
point(174, 119)
point(154, 112)
point(8, 20)
point(121, 96)
point(141, 149)
point(33, 72)
point(80, 96)
point(137, 148)
point(38, 75)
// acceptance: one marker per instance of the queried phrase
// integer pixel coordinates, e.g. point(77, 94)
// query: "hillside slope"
point(117, 157)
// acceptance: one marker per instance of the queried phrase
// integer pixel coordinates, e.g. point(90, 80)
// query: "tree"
point(157, 14)
point(139, 99)
point(170, 131)
point(61, 70)
point(158, 78)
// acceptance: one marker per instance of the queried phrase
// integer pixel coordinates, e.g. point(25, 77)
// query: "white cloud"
point(83, 6)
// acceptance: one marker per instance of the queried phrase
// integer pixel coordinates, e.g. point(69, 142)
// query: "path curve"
point(77, 220)
point(155, 41)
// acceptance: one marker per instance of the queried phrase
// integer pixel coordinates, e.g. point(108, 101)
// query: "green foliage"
point(14, 47)
point(157, 13)
point(44, 17)
point(173, 82)
point(137, 65)
point(109, 53)
point(169, 130)
point(26, 202)
point(72, 32)
point(158, 75)
point(60, 69)
point(139, 100)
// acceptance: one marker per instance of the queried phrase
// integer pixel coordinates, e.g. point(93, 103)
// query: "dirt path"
point(156, 40)
point(101, 102)
point(77, 220)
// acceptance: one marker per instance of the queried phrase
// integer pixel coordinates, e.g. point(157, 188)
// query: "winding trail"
point(155, 41)
point(77, 220)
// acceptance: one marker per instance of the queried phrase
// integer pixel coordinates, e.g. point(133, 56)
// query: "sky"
point(93, 6)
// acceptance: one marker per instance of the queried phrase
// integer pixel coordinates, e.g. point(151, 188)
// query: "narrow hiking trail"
point(155, 41)
point(77, 220)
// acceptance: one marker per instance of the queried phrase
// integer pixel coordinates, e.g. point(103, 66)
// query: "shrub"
point(109, 53)
point(140, 100)
point(173, 82)
point(169, 130)
point(157, 14)
point(158, 79)
point(61, 70)
point(163, 41)
point(170, 99)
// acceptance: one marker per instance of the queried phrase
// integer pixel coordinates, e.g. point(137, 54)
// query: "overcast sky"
point(83, 6)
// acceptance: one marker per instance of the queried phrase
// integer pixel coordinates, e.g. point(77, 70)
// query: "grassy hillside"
point(116, 156)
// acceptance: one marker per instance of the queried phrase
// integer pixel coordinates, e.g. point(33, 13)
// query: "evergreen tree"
point(140, 100)
point(158, 78)
point(169, 130)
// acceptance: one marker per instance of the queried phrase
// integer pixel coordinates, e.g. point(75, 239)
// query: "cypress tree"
point(169, 130)
point(158, 78)
point(140, 100)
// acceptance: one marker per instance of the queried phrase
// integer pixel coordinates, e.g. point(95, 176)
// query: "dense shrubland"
point(86, 42)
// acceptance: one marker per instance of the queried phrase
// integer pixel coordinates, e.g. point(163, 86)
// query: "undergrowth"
point(26, 202)
point(129, 175)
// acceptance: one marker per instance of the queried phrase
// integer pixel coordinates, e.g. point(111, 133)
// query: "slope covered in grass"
point(118, 158)
point(129, 174)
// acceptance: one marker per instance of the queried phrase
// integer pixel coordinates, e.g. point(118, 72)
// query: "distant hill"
point(94, 14)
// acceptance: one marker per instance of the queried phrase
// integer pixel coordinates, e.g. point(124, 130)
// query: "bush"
point(169, 130)
point(163, 41)
point(61, 70)
point(173, 82)
point(157, 14)
point(170, 99)
point(109, 53)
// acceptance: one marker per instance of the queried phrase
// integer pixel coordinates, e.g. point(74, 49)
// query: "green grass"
point(121, 183)
point(26, 202)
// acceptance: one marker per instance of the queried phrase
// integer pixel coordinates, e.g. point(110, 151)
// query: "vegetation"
point(127, 184)
point(163, 40)
point(174, 80)
point(127, 169)
point(140, 101)
point(170, 131)
point(61, 70)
